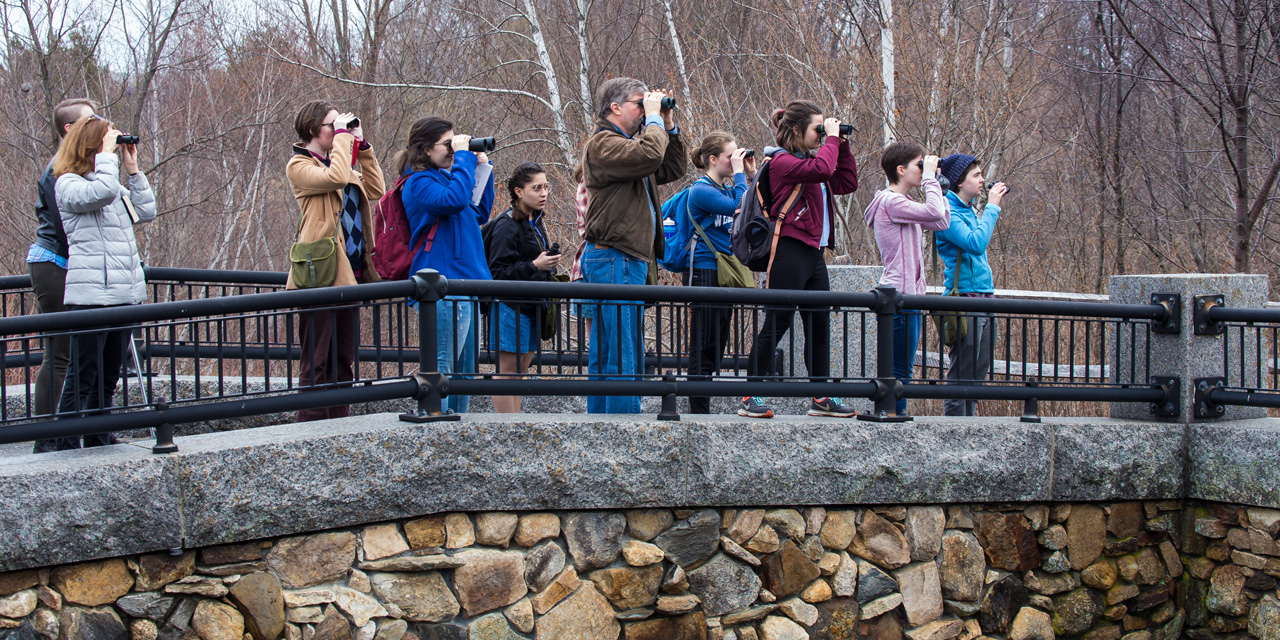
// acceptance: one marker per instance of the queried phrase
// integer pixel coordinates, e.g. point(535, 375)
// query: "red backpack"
point(392, 255)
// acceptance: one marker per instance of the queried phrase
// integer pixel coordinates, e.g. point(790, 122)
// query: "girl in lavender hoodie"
point(897, 221)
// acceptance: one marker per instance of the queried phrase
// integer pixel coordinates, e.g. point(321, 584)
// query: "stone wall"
point(1233, 561)
point(1101, 571)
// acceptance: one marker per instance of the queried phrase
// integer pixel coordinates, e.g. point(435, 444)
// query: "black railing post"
point(888, 387)
point(429, 288)
point(164, 432)
point(670, 408)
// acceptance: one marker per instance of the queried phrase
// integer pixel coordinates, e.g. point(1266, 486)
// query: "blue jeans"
point(456, 344)
point(906, 337)
point(615, 351)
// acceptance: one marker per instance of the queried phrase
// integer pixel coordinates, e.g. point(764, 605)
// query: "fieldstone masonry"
point(1134, 570)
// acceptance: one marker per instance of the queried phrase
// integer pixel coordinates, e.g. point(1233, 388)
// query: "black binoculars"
point(355, 122)
point(749, 153)
point(668, 103)
point(988, 186)
point(485, 145)
point(554, 250)
point(845, 130)
point(126, 139)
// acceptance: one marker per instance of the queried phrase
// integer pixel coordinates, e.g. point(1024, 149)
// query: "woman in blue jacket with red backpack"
point(448, 195)
point(805, 177)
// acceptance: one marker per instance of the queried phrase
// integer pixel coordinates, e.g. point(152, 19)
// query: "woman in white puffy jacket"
point(103, 265)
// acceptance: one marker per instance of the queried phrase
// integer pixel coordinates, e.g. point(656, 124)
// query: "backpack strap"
point(777, 228)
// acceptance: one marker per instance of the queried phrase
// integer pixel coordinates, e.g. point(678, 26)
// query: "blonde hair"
point(83, 142)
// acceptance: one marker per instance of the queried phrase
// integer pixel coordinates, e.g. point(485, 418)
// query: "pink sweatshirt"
point(897, 222)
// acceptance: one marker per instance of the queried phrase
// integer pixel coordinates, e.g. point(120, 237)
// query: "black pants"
point(49, 283)
point(94, 372)
point(796, 265)
point(328, 340)
point(708, 336)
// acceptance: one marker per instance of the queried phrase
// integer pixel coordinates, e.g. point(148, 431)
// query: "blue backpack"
point(675, 245)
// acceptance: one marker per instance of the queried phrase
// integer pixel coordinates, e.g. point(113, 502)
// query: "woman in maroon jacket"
point(814, 167)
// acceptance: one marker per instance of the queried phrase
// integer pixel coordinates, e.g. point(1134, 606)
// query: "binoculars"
point(355, 122)
point(988, 186)
point(942, 180)
point(668, 103)
point(126, 139)
point(554, 250)
point(485, 145)
point(749, 153)
point(845, 130)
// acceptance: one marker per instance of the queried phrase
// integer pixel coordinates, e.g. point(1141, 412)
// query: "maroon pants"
point(328, 341)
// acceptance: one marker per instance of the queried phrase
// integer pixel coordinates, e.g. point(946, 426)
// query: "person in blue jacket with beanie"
point(712, 201)
point(447, 196)
point(963, 248)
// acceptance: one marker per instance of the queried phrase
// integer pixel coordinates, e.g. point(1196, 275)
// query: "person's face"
point(324, 139)
point(811, 139)
point(533, 196)
point(912, 174)
point(630, 113)
point(972, 184)
point(441, 153)
point(722, 163)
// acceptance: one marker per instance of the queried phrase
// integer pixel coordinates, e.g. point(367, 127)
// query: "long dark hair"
point(520, 178)
point(792, 122)
point(424, 134)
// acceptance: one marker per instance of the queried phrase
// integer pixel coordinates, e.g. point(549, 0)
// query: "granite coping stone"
point(288, 479)
point(1237, 462)
point(86, 504)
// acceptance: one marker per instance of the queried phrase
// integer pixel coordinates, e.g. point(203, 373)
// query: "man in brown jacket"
point(636, 147)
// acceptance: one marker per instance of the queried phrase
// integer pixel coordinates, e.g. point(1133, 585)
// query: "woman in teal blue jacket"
point(968, 238)
point(448, 195)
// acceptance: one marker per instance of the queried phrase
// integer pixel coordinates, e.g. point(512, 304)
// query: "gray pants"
point(970, 361)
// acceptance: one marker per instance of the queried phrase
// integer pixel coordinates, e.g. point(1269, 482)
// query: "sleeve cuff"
point(674, 130)
point(654, 120)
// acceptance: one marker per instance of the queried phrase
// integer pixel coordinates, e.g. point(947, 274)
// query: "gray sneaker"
point(830, 408)
point(755, 408)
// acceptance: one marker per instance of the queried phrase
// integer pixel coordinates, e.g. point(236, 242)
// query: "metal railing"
point(218, 345)
point(1250, 373)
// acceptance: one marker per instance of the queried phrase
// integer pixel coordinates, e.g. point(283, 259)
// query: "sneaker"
point(831, 408)
point(755, 408)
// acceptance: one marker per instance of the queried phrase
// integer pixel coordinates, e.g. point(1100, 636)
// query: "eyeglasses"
point(540, 188)
point(328, 124)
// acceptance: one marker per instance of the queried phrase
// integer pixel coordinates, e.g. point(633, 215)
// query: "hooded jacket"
point(103, 266)
point(512, 246)
point(318, 191)
point(833, 165)
point(434, 195)
point(971, 236)
point(897, 222)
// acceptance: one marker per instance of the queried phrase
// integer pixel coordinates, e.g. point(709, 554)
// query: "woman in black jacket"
point(516, 244)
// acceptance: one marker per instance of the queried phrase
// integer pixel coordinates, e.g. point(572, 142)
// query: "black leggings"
point(796, 265)
point(91, 381)
point(708, 336)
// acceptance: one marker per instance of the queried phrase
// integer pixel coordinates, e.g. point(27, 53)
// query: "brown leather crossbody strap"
point(777, 230)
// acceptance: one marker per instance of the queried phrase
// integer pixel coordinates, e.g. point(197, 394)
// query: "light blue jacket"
point(970, 235)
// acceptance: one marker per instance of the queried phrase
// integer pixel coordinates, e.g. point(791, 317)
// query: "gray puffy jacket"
point(103, 267)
